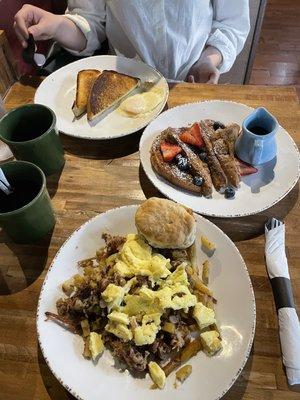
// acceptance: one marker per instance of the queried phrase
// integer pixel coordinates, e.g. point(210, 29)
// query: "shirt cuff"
point(84, 26)
point(226, 48)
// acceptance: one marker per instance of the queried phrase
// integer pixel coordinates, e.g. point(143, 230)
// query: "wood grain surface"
point(277, 57)
point(97, 177)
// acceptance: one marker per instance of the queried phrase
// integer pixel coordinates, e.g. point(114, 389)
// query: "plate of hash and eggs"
point(147, 301)
point(103, 97)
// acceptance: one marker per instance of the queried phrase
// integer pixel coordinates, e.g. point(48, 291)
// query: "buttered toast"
point(85, 81)
point(108, 89)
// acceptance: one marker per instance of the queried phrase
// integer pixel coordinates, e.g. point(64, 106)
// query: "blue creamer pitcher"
point(257, 143)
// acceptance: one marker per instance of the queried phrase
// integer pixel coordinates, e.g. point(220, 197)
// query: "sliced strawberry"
point(245, 169)
point(193, 136)
point(169, 150)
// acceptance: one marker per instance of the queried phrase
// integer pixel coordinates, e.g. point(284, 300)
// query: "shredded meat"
point(180, 337)
point(128, 353)
point(68, 308)
point(180, 255)
point(65, 322)
point(143, 281)
point(176, 263)
point(113, 245)
point(84, 303)
point(160, 347)
point(114, 278)
point(167, 253)
point(83, 292)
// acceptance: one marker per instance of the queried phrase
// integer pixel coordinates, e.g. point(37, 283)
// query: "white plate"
point(257, 192)
point(58, 90)
point(211, 377)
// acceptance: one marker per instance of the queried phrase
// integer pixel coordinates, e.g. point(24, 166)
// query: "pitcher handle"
point(257, 152)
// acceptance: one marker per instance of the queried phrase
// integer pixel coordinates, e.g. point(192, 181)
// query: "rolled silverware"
point(278, 271)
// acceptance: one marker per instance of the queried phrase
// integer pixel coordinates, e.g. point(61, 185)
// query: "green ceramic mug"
point(26, 215)
point(30, 132)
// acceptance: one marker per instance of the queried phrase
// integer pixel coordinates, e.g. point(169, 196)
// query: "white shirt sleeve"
point(230, 28)
point(89, 16)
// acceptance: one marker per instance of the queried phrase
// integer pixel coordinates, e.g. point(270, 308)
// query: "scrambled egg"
point(211, 341)
point(149, 301)
point(179, 276)
point(176, 297)
point(119, 317)
point(146, 333)
point(136, 258)
point(120, 330)
point(113, 295)
point(142, 303)
point(95, 344)
point(203, 315)
point(157, 374)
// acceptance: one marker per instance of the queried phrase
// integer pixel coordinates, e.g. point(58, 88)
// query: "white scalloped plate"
point(58, 90)
point(211, 377)
point(258, 192)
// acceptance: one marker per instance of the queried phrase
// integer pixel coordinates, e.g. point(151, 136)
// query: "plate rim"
point(134, 130)
point(134, 206)
point(219, 215)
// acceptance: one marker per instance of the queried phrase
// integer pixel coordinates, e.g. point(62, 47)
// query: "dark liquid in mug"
point(30, 129)
point(30, 126)
point(24, 192)
point(258, 130)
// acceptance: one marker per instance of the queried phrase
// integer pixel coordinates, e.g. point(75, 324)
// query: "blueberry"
point(229, 193)
point(218, 125)
point(182, 162)
point(203, 156)
point(198, 180)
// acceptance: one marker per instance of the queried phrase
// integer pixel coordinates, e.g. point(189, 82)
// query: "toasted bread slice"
point(109, 89)
point(85, 80)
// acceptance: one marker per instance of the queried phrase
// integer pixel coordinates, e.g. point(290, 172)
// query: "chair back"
point(8, 73)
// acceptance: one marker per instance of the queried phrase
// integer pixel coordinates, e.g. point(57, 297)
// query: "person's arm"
point(81, 30)
point(230, 28)
point(89, 16)
point(44, 25)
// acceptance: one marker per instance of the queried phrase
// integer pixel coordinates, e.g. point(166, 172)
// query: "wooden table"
point(100, 176)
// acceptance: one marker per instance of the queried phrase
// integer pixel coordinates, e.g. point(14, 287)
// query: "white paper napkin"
point(289, 326)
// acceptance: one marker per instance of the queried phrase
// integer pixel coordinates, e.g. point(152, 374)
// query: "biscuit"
point(166, 224)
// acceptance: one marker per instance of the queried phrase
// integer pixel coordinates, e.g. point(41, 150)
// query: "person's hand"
point(205, 69)
point(41, 24)
point(203, 72)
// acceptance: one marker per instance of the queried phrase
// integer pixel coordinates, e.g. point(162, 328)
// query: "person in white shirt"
point(192, 40)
